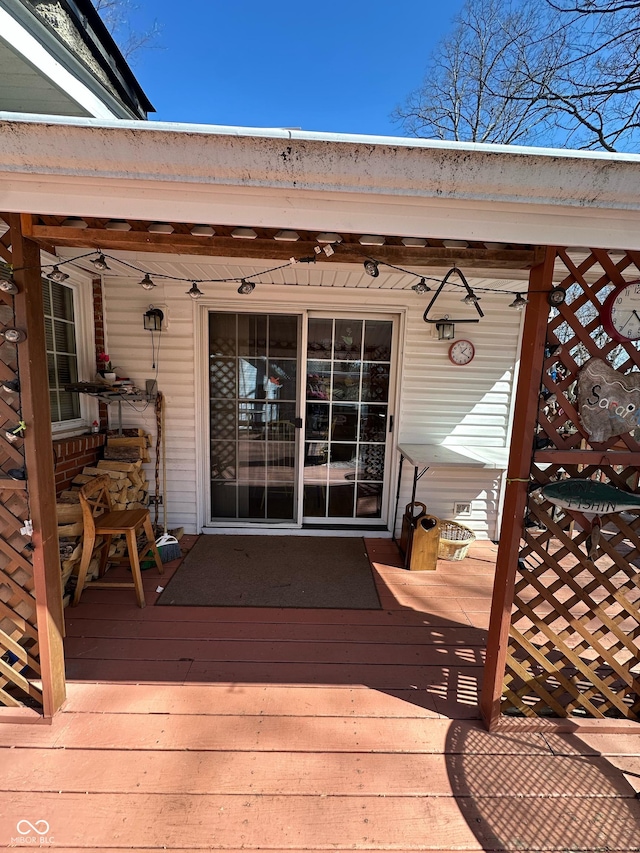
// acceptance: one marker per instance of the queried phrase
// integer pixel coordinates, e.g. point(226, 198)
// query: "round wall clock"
point(461, 352)
point(620, 313)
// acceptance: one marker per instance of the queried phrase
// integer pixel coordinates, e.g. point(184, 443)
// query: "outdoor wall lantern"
point(446, 330)
point(153, 319)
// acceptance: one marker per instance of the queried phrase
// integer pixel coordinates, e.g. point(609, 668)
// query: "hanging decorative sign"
point(608, 401)
point(590, 496)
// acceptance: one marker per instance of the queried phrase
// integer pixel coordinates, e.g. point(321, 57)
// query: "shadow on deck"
point(305, 730)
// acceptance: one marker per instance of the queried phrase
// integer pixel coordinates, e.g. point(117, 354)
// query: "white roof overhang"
point(50, 67)
point(284, 179)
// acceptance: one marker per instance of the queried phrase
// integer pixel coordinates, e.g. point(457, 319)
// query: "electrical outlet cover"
point(462, 508)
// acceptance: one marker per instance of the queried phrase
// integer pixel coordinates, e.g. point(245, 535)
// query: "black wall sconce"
point(446, 330)
point(153, 319)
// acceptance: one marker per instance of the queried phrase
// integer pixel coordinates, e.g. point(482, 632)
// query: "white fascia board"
point(33, 52)
point(493, 193)
point(151, 126)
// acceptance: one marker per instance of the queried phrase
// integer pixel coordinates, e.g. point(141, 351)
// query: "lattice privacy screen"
point(19, 651)
point(573, 640)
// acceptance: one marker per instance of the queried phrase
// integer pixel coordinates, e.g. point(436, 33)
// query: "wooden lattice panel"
point(575, 627)
point(19, 647)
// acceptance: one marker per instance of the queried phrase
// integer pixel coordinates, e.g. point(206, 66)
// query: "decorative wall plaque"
point(608, 401)
point(590, 496)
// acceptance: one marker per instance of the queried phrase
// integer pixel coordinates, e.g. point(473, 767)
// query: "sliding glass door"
point(262, 433)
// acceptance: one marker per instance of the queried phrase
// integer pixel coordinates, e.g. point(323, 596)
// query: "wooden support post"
point(525, 419)
point(36, 412)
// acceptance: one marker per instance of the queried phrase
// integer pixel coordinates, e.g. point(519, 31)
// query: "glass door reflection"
point(347, 407)
point(253, 364)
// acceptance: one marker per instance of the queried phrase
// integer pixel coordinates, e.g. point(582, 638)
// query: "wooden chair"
point(100, 520)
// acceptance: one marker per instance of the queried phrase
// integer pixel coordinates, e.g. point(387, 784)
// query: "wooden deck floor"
point(266, 729)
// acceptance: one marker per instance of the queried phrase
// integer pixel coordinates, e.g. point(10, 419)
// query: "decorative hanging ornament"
point(608, 401)
point(470, 298)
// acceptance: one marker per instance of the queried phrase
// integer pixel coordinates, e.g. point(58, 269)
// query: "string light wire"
point(339, 248)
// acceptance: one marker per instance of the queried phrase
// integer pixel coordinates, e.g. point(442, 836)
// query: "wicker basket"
point(455, 540)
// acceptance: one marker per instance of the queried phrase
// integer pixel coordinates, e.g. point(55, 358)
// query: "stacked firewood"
point(128, 487)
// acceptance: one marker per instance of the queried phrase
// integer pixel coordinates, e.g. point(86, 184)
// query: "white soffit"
point(290, 179)
point(32, 51)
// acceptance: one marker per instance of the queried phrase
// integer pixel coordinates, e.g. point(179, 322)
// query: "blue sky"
point(327, 66)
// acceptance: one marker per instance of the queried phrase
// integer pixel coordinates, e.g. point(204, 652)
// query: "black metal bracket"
point(452, 271)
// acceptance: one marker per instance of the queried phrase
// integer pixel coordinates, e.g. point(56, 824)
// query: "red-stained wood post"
point(524, 424)
point(36, 412)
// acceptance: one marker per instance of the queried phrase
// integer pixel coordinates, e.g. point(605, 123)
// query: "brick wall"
point(71, 455)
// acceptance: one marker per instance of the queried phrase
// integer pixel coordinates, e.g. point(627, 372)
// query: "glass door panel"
point(253, 375)
point(347, 408)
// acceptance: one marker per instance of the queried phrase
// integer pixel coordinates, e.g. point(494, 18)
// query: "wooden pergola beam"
point(262, 248)
point(34, 399)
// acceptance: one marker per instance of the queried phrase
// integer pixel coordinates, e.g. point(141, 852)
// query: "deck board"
point(330, 822)
point(191, 728)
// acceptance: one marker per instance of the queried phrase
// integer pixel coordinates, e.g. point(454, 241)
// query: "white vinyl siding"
point(437, 402)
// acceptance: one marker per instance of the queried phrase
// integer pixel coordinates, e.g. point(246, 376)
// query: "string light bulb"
point(147, 283)
point(470, 299)
point(194, 291)
point(246, 287)
point(8, 286)
point(14, 336)
point(421, 287)
point(100, 263)
point(371, 268)
point(57, 275)
point(519, 302)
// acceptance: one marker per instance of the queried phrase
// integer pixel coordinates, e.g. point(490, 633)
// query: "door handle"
point(297, 422)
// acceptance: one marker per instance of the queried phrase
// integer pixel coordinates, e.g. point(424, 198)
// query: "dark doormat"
point(274, 571)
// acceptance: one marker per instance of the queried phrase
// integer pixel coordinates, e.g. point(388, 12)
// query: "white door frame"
point(202, 449)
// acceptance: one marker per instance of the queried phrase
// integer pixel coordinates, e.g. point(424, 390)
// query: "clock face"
point(461, 352)
point(621, 312)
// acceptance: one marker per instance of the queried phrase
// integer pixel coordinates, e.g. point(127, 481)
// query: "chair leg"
point(148, 529)
point(104, 557)
point(87, 553)
point(132, 547)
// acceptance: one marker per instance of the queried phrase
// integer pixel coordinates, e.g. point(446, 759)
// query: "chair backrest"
point(95, 500)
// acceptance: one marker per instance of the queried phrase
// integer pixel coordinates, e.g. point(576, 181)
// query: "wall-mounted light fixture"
point(446, 330)
point(153, 319)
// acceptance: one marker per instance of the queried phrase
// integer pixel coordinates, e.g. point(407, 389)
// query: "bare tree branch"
point(116, 15)
point(563, 73)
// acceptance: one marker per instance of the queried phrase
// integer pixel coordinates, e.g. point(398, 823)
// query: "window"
point(62, 350)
